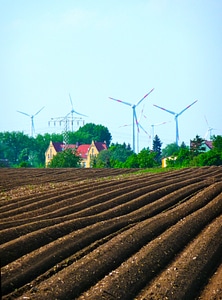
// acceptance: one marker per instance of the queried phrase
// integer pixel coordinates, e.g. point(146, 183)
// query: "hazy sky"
point(98, 49)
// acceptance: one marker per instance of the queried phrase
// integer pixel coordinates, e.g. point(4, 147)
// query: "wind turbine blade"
point(169, 111)
point(141, 114)
point(144, 97)
point(126, 125)
point(186, 108)
point(127, 103)
point(39, 111)
point(206, 134)
point(79, 113)
point(71, 101)
point(157, 124)
point(135, 118)
point(21, 112)
point(206, 120)
point(143, 129)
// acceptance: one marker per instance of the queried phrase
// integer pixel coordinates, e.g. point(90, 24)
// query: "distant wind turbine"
point(72, 112)
point(154, 125)
point(138, 130)
point(32, 119)
point(135, 121)
point(209, 130)
point(176, 117)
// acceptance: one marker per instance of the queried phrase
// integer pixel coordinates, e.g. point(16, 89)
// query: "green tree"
point(146, 158)
point(89, 132)
point(120, 152)
point(197, 145)
point(131, 161)
point(157, 148)
point(212, 157)
point(170, 150)
point(114, 157)
point(183, 158)
point(12, 143)
point(103, 159)
point(217, 143)
point(66, 159)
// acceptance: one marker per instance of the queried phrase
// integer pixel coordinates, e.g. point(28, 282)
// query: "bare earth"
point(111, 234)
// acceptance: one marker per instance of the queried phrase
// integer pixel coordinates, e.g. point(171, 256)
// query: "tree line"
point(20, 150)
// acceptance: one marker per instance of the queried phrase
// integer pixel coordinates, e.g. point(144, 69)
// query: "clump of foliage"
point(66, 159)
point(122, 156)
point(196, 155)
point(21, 150)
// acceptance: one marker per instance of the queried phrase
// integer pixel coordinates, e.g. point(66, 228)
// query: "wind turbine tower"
point(152, 133)
point(176, 117)
point(32, 119)
point(133, 106)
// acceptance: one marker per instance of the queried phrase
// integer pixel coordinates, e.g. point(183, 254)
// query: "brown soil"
point(111, 234)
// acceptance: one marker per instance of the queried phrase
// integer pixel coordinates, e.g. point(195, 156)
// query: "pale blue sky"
point(108, 48)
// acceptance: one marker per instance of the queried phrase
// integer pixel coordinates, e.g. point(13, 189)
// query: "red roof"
point(82, 150)
point(100, 146)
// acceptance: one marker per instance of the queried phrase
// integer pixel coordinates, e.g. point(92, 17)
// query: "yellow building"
point(93, 151)
point(87, 152)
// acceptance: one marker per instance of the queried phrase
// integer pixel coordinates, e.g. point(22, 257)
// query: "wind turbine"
point(139, 125)
point(32, 119)
point(154, 125)
point(176, 117)
point(134, 114)
point(209, 130)
point(72, 112)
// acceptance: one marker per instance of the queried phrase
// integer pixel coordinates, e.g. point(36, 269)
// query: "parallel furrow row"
point(101, 235)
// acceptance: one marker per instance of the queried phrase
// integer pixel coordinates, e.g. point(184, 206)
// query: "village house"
point(207, 144)
point(87, 152)
point(93, 151)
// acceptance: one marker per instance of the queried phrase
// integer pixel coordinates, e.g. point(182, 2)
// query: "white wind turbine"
point(176, 117)
point(209, 130)
point(32, 119)
point(133, 106)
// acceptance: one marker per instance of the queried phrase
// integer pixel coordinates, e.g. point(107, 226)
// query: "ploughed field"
point(111, 234)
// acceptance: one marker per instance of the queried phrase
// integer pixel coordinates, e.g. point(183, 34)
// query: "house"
point(208, 145)
point(54, 148)
point(94, 150)
point(164, 160)
point(82, 151)
point(205, 146)
point(86, 151)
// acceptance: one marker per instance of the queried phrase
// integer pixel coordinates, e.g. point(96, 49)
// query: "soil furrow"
point(38, 238)
point(141, 213)
point(53, 190)
point(58, 198)
point(188, 270)
point(128, 243)
point(78, 205)
point(70, 239)
point(126, 281)
point(213, 288)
